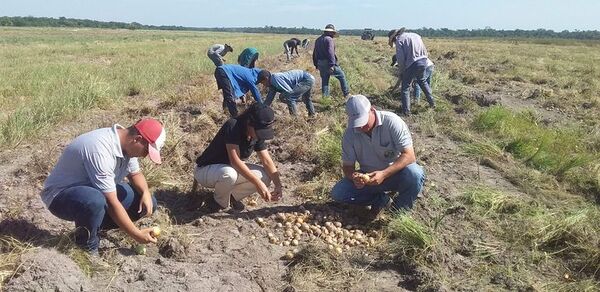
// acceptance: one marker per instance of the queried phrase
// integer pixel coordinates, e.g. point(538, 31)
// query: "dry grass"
point(317, 268)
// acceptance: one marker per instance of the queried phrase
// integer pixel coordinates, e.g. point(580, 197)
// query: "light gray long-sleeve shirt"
point(217, 49)
point(409, 49)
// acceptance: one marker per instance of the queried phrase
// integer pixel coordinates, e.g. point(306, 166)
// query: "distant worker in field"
point(325, 59)
point(235, 81)
point(305, 43)
point(411, 55)
point(292, 86)
point(222, 165)
point(415, 85)
point(248, 57)
point(381, 143)
point(289, 46)
point(86, 185)
point(216, 53)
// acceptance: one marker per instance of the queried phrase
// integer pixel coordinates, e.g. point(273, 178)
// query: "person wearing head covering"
point(411, 56)
point(222, 165)
point(292, 86)
point(381, 144)
point(87, 183)
point(216, 53)
point(235, 81)
point(325, 59)
point(248, 57)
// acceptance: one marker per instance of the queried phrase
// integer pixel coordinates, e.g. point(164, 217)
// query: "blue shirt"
point(284, 82)
point(243, 80)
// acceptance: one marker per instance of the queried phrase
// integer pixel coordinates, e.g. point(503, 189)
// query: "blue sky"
point(385, 14)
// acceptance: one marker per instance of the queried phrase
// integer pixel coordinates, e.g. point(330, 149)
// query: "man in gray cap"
point(382, 145)
point(325, 59)
point(412, 59)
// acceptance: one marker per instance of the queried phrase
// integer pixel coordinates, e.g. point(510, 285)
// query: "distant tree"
point(424, 31)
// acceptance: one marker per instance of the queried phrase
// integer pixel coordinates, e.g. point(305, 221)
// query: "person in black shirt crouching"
point(221, 166)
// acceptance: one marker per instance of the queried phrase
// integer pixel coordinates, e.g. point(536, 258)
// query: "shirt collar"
point(117, 141)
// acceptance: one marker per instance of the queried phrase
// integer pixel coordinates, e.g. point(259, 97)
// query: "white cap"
point(357, 109)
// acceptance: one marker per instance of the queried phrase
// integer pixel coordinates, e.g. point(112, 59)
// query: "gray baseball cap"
point(357, 109)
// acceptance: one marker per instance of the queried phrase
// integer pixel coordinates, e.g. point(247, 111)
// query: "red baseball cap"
point(153, 132)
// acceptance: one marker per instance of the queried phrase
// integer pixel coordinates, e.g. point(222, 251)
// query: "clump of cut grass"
point(573, 234)
point(11, 250)
point(483, 148)
point(490, 200)
point(315, 268)
point(409, 235)
point(315, 190)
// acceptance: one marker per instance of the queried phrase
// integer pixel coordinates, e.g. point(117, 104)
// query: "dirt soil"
point(227, 251)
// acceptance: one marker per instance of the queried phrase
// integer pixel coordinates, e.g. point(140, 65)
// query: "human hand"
point(264, 192)
point(359, 179)
point(146, 204)
point(331, 69)
point(277, 194)
point(376, 178)
point(145, 236)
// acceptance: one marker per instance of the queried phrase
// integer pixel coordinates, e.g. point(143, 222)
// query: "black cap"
point(263, 75)
point(262, 118)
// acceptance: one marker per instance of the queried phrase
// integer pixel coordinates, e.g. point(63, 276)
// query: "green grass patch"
point(489, 200)
point(558, 151)
point(329, 147)
point(409, 235)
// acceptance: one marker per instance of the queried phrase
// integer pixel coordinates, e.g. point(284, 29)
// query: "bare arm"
point(138, 181)
point(233, 152)
point(272, 172)
point(407, 156)
point(120, 217)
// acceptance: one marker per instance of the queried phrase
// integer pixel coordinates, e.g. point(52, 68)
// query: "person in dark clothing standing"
point(326, 61)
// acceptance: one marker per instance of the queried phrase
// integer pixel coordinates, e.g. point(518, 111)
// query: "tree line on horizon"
point(30, 21)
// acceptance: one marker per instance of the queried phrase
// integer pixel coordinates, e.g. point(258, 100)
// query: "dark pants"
point(229, 98)
point(87, 207)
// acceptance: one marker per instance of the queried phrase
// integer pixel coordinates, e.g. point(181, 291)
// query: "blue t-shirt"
point(243, 80)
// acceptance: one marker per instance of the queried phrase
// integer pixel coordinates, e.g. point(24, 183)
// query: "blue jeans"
point(87, 206)
point(417, 88)
point(415, 71)
point(408, 183)
point(323, 67)
point(302, 90)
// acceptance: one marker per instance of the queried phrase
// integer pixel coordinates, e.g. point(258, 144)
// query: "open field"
point(511, 155)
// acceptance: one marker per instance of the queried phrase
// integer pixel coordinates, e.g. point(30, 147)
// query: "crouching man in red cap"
point(86, 185)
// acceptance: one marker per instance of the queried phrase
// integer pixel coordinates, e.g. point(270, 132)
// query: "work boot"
point(236, 205)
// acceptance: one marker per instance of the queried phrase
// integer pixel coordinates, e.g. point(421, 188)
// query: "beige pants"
point(227, 181)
